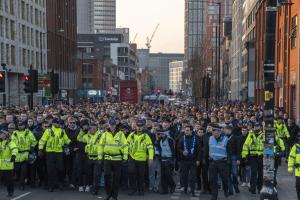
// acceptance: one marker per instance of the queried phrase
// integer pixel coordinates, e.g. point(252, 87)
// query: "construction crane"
point(149, 40)
point(134, 38)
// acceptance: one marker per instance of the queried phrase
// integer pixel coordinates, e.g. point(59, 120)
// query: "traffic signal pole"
point(30, 101)
point(269, 191)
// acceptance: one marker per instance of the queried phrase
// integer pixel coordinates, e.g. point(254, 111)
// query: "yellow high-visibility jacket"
point(140, 145)
point(24, 140)
point(8, 148)
point(113, 146)
point(54, 139)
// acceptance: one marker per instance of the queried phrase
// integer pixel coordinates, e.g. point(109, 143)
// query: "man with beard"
point(72, 132)
point(80, 157)
point(189, 148)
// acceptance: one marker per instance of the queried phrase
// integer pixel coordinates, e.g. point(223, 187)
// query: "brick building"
point(287, 58)
point(259, 51)
point(62, 37)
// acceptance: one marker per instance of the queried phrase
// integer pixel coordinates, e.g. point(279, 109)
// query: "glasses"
point(11, 128)
point(72, 123)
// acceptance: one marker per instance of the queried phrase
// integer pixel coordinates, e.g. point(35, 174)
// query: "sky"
point(142, 16)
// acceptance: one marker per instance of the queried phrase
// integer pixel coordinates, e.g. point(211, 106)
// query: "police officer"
point(25, 141)
point(283, 133)
point(218, 161)
point(140, 145)
point(294, 163)
point(54, 139)
point(8, 153)
point(113, 150)
point(279, 148)
point(253, 152)
point(93, 164)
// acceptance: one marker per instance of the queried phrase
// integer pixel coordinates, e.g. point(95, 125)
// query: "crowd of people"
point(142, 148)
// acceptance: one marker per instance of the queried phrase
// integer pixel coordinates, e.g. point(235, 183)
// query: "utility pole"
point(269, 191)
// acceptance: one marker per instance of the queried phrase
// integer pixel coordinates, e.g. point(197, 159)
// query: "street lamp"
point(218, 58)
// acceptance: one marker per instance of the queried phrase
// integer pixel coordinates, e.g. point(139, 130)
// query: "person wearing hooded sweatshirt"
point(234, 158)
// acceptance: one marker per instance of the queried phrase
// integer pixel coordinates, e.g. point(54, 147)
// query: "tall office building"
point(96, 16)
point(236, 49)
point(194, 26)
point(22, 43)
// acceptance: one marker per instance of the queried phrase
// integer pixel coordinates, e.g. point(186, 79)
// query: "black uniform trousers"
point(256, 165)
point(167, 181)
point(204, 172)
point(216, 169)
point(79, 170)
point(276, 164)
point(55, 168)
point(21, 171)
point(38, 169)
point(188, 174)
point(8, 180)
point(93, 169)
point(298, 186)
point(112, 174)
point(136, 171)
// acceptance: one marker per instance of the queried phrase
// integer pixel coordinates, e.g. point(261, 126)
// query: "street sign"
point(44, 82)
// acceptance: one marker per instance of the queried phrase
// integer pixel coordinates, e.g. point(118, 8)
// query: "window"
point(12, 30)
point(12, 6)
point(1, 26)
point(279, 45)
point(294, 31)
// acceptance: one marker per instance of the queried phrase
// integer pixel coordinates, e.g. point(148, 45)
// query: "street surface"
point(286, 191)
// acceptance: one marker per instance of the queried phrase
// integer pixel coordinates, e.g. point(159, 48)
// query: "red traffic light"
point(2, 75)
point(26, 78)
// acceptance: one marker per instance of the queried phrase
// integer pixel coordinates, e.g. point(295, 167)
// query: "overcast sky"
point(142, 16)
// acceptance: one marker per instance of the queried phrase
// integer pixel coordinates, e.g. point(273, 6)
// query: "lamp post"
point(218, 43)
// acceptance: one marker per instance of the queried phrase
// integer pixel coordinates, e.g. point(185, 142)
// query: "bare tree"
point(201, 61)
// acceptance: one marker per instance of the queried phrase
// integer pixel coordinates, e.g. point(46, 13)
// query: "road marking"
point(172, 197)
point(21, 196)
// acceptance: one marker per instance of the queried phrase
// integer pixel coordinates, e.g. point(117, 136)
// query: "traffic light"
point(26, 79)
point(54, 83)
point(33, 74)
point(2, 81)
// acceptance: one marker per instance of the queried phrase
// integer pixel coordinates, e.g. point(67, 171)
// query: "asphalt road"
point(286, 190)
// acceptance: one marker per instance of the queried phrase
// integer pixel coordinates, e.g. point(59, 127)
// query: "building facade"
point(236, 50)
point(62, 44)
point(96, 16)
point(176, 69)
point(124, 56)
point(22, 44)
point(94, 63)
point(159, 66)
point(249, 56)
point(287, 59)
